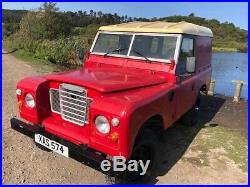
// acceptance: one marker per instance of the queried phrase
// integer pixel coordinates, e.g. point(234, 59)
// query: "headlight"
point(102, 124)
point(30, 100)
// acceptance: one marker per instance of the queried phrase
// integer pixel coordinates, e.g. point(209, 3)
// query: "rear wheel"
point(145, 149)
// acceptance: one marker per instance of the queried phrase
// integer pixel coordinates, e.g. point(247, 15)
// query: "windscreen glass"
point(158, 47)
point(111, 43)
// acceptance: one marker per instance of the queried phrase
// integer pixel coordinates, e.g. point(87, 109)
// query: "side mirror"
point(190, 65)
point(81, 54)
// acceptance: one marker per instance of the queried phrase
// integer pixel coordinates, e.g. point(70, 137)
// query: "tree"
point(122, 19)
point(99, 13)
point(80, 13)
point(47, 23)
point(191, 15)
point(154, 18)
point(31, 27)
point(91, 13)
point(48, 7)
point(126, 18)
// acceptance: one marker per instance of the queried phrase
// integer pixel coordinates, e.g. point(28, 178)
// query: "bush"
point(89, 30)
point(9, 28)
point(46, 23)
point(243, 47)
point(61, 51)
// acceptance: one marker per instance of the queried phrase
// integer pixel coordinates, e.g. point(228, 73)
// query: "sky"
point(235, 12)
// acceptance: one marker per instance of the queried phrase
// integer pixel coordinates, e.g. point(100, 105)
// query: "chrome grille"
point(73, 102)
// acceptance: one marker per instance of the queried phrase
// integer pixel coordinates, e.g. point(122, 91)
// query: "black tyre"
point(146, 148)
point(190, 118)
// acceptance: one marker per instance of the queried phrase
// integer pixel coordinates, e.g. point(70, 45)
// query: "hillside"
point(226, 35)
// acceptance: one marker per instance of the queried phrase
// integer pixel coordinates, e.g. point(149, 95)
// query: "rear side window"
point(187, 48)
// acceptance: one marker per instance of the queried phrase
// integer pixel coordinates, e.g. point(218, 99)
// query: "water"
point(227, 67)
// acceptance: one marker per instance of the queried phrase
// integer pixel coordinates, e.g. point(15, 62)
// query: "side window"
point(187, 50)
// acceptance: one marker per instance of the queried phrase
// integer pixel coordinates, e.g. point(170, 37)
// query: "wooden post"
point(211, 88)
point(238, 88)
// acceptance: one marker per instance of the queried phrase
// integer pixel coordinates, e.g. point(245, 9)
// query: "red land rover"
point(137, 79)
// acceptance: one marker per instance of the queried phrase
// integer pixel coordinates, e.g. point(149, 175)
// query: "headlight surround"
point(29, 100)
point(102, 124)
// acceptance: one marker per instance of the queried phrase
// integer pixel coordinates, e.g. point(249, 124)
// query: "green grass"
point(224, 49)
point(40, 65)
point(235, 146)
point(7, 45)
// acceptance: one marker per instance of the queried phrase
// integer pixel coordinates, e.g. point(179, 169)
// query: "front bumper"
point(82, 150)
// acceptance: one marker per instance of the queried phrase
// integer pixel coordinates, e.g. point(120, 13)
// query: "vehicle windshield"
point(110, 43)
point(144, 46)
point(158, 47)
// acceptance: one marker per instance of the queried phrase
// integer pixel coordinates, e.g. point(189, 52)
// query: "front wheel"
point(146, 151)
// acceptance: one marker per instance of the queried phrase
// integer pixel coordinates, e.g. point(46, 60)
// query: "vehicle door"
point(187, 91)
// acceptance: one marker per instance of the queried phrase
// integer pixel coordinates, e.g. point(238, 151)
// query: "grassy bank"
point(43, 60)
point(41, 66)
point(221, 144)
point(224, 49)
point(38, 64)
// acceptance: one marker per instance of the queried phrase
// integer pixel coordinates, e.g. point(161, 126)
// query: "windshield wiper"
point(115, 50)
point(142, 55)
point(122, 49)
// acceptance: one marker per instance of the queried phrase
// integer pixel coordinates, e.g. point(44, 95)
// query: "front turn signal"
point(114, 137)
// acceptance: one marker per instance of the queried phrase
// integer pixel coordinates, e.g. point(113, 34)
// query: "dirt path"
point(184, 160)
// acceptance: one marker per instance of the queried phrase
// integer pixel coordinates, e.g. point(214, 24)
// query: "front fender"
point(38, 87)
point(138, 115)
point(133, 108)
point(149, 102)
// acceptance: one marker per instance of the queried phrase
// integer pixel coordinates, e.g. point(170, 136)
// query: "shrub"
point(242, 47)
point(61, 51)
